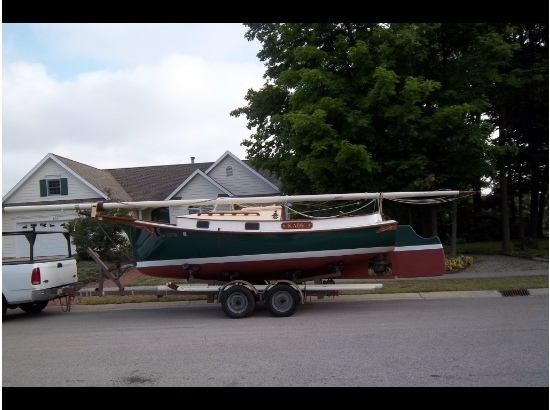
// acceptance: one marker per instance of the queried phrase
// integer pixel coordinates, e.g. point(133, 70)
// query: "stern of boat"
point(416, 256)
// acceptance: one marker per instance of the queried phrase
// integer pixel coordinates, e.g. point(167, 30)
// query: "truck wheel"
point(237, 301)
point(282, 300)
point(4, 307)
point(34, 307)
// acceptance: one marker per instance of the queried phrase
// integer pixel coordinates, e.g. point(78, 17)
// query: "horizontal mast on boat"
point(281, 199)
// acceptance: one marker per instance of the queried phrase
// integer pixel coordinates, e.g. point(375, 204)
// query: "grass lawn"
point(532, 249)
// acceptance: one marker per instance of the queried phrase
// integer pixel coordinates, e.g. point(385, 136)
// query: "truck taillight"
point(35, 276)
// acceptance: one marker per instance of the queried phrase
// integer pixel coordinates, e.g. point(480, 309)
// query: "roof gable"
point(245, 165)
point(63, 163)
point(197, 174)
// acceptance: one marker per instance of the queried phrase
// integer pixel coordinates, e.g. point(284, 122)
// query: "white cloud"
point(138, 95)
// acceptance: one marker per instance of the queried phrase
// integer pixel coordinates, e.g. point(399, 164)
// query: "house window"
point(229, 171)
point(54, 187)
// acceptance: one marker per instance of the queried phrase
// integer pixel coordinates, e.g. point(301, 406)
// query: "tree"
point(353, 107)
point(350, 107)
point(106, 239)
point(519, 109)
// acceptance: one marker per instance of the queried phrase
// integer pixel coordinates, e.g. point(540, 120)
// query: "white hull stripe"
point(418, 248)
point(265, 257)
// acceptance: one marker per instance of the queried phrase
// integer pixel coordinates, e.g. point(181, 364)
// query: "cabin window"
point(252, 226)
point(54, 187)
point(203, 224)
point(229, 171)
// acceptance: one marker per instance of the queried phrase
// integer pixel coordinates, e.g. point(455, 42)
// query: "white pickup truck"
point(31, 283)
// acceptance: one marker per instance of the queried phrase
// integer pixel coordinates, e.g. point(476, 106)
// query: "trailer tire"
point(237, 301)
point(34, 307)
point(282, 300)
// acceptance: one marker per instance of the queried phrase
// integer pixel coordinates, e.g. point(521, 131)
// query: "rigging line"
point(423, 201)
point(336, 207)
point(329, 217)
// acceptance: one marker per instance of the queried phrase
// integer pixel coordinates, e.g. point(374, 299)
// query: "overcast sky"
point(123, 95)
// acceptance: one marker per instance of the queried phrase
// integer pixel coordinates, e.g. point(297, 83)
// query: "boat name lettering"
point(296, 225)
point(169, 235)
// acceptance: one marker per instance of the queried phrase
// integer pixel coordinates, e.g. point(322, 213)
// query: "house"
point(59, 180)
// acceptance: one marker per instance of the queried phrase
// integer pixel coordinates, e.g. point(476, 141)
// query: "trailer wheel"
point(34, 307)
point(282, 300)
point(237, 301)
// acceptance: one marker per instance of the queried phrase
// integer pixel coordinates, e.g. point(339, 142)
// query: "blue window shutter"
point(43, 188)
point(64, 187)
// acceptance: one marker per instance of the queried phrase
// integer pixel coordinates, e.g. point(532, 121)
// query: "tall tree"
point(529, 121)
point(381, 107)
point(352, 107)
point(519, 109)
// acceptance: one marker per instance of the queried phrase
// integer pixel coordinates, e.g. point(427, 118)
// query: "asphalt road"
point(351, 341)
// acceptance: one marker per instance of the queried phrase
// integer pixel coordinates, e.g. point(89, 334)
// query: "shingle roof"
point(101, 179)
point(152, 183)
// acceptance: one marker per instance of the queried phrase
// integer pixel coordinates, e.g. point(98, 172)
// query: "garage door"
point(45, 245)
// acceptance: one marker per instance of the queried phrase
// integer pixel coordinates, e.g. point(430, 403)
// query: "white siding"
point(45, 245)
point(8, 243)
point(175, 211)
point(198, 187)
point(30, 191)
point(242, 182)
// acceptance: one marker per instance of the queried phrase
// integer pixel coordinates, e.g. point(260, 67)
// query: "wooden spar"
point(232, 200)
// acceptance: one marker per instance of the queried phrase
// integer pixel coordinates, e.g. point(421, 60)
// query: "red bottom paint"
point(417, 263)
point(400, 263)
point(342, 267)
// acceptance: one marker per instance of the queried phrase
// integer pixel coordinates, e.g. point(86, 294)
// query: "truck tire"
point(4, 307)
point(237, 301)
point(282, 300)
point(34, 307)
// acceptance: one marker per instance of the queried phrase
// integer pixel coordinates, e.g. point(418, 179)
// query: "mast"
point(281, 199)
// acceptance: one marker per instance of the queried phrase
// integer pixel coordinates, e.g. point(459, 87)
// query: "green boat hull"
point(256, 256)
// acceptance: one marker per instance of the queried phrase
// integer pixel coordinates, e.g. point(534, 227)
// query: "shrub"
point(458, 262)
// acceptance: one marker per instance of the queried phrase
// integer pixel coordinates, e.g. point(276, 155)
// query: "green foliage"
point(88, 271)
point(458, 262)
point(106, 239)
point(367, 107)
point(351, 107)
point(537, 249)
point(527, 243)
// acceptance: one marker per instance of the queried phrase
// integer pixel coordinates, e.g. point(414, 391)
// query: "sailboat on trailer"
point(262, 239)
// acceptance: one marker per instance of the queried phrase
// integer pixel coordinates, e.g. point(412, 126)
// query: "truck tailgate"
point(58, 273)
